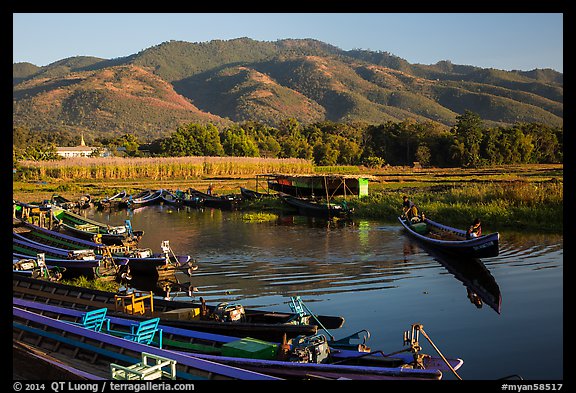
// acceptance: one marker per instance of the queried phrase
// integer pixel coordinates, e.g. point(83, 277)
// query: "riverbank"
point(522, 197)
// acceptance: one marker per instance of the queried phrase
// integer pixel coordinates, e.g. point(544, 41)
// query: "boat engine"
point(310, 349)
point(225, 312)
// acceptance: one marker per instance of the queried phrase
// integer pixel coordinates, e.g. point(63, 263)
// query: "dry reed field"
point(159, 168)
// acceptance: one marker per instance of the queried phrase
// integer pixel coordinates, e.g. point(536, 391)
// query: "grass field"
point(526, 197)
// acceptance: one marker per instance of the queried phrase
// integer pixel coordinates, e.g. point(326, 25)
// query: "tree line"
point(469, 143)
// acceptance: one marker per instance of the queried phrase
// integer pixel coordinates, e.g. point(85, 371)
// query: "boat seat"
point(151, 367)
point(134, 302)
point(87, 227)
point(145, 331)
point(94, 320)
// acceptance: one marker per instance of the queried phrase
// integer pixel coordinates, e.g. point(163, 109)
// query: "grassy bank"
point(512, 205)
point(523, 197)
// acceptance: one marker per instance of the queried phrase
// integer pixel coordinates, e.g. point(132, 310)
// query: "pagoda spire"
point(82, 143)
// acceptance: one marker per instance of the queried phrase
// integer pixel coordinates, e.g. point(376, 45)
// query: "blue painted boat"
point(51, 368)
point(169, 198)
point(37, 268)
point(37, 240)
point(148, 198)
point(92, 351)
point(452, 240)
point(338, 363)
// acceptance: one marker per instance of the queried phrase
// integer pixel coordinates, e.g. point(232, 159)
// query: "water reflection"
point(481, 286)
point(379, 279)
point(299, 255)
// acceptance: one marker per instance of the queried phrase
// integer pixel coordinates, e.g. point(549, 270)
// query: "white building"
point(80, 151)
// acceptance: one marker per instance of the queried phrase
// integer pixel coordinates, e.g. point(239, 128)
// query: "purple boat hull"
point(284, 369)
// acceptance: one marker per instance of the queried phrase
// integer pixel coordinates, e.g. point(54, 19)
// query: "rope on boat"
point(421, 328)
point(297, 299)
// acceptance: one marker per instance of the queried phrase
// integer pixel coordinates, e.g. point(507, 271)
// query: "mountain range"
point(152, 92)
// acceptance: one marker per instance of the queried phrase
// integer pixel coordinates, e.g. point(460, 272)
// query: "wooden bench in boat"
point(94, 320)
point(87, 227)
point(145, 370)
point(134, 302)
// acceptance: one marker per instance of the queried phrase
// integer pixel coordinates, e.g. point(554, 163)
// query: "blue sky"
point(508, 41)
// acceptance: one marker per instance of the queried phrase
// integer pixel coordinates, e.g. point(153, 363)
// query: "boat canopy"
point(321, 186)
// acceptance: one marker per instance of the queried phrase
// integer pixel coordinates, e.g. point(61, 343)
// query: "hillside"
point(151, 92)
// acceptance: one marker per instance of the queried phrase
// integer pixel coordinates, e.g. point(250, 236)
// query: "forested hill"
point(152, 92)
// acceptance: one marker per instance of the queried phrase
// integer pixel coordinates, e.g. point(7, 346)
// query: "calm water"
point(379, 279)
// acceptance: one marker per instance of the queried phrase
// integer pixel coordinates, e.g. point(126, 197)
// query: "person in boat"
point(210, 188)
point(474, 298)
point(475, 229)
point(409, 209)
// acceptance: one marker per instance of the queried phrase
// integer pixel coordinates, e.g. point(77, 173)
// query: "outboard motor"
point(310, 349)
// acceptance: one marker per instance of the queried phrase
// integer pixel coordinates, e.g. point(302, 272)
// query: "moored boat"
point(452, 240)
point(36, 268)
point(260, 324)
point(60, 201)
point(318, 209)
point(300, 358)
point(31, 240)
point(251, 194)
point(89, 229)
point(116, 201)
point(226, 202)
point(94, 352)
point(71, 268)
point(169, 198)
point(147, 198)
point(188, 199)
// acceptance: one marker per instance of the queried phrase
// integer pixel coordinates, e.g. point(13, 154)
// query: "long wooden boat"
point(64, 203)
point(45, 365)
point(89, 229)
point(139, 261)
point(273, 359)
point(74, 263)
point(150, 198)
point(62, 240)
point(93, 352)
point(36, 268)
point(318, 209)
point(169, 198)
point(188, 199)
point(261, 324)
point(115, 201)
point(452, 240)
point(251, 194)
point(225, 202)
point(72, 268)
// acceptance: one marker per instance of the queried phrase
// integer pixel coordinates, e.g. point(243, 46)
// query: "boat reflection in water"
point(481, 286)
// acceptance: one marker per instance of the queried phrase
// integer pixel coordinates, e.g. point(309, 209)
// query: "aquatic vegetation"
point(259, 217)
point(98, 283)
